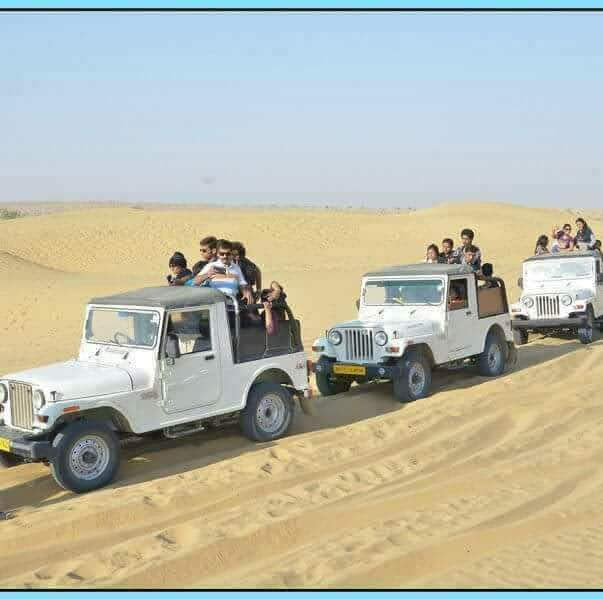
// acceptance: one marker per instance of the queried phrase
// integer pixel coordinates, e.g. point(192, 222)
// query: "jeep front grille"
point(21, 405)
point(358, 345)
point(547, 306)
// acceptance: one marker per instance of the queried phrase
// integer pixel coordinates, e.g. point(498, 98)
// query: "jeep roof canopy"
point(565, 255)
point(164, 297)
point(421, 270)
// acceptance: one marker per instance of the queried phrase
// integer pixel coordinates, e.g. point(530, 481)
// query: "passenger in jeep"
point(585, 238)
point(467, 237)
point(223, 274)
point(471, 258)
point(563, 238)
point(251, 271)
point(447, 253)
point(487, 272)
point(457, 298)
point(432, 255)
point(179, 272)
point(542, 245)
point(273, 300)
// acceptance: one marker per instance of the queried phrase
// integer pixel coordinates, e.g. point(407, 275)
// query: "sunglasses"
point(224, 254)
point(567, 228)
point(205, 250)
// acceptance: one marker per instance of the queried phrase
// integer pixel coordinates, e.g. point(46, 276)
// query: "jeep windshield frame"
point(137, 318)
point(433, 289)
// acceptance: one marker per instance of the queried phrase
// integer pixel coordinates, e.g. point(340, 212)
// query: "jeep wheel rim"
point(416, 378)
point(494, 356)
point(89, 457)
point(270, 414)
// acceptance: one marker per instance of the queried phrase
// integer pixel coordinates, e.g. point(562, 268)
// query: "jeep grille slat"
point(547, 306)
point(358, 345)
point(21, 405)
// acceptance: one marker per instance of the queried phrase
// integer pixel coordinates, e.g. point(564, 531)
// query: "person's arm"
point(271, 322)
point(258, 279)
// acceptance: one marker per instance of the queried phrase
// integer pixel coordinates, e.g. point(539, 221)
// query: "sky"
point(365, 109)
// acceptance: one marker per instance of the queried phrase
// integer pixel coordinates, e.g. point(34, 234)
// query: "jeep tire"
point(86, 456)
point(329, 385)
point(492, 361)
point(585, 333)
point(8, 460)
point(269, 412)
point(520, 336)
point(414, 381)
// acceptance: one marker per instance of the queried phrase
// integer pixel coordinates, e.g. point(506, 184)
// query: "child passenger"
point(179, 271)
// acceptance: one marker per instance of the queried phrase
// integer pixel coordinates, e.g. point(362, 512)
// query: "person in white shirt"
point(223, 274)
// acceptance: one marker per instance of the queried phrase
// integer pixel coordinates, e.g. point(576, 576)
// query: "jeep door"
point(193, 379)
point(461, 314)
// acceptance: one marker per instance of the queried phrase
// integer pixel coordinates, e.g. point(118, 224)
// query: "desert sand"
point(486, 483)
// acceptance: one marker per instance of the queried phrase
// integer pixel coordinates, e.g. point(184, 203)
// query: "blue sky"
point(394, 109)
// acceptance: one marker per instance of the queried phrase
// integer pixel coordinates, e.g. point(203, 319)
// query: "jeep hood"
point(76, 380)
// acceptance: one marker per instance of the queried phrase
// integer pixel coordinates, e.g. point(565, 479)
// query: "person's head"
point(470, 253)
point(276, 292)
point(238, 251)
point(447, 245)
point(565, 240)
point(597, 245)
point(454, 292)
point(207, 248)
point(581, 224)
point(542, 241)
point(177, 263)
point(467, 236)
point(432, 252)
point(224, 251)
point(487, 269)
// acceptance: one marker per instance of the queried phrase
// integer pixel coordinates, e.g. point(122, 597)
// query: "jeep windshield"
point(403, 293)
point(560, 270)
point(134, 328)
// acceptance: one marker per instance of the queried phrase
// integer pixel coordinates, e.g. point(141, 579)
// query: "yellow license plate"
point(347, 369)
point(4, 445)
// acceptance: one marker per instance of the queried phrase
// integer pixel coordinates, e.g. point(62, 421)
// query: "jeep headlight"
point(3, 393)
point(335, 337)
point(381, 338)
point(38, 399)
point(566, 299)
point(527, 302)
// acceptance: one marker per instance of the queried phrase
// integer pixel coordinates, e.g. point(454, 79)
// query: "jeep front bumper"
point(23, 445)
point(371, 371)
point(534, 324)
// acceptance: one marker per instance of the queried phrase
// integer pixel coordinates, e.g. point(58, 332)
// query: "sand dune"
point(487, 483)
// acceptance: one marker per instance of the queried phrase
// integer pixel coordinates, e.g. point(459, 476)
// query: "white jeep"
point(412, 319)
point(560, 292)
point(170, 360)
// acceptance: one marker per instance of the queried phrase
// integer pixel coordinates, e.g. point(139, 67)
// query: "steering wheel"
point(128, 340)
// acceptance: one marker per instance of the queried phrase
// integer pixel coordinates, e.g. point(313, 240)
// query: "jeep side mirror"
point(172, 347)
point(520, 282)
point(357, 304)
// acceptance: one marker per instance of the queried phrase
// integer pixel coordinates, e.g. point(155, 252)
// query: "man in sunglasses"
point(207, 249)
point(223, 274)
